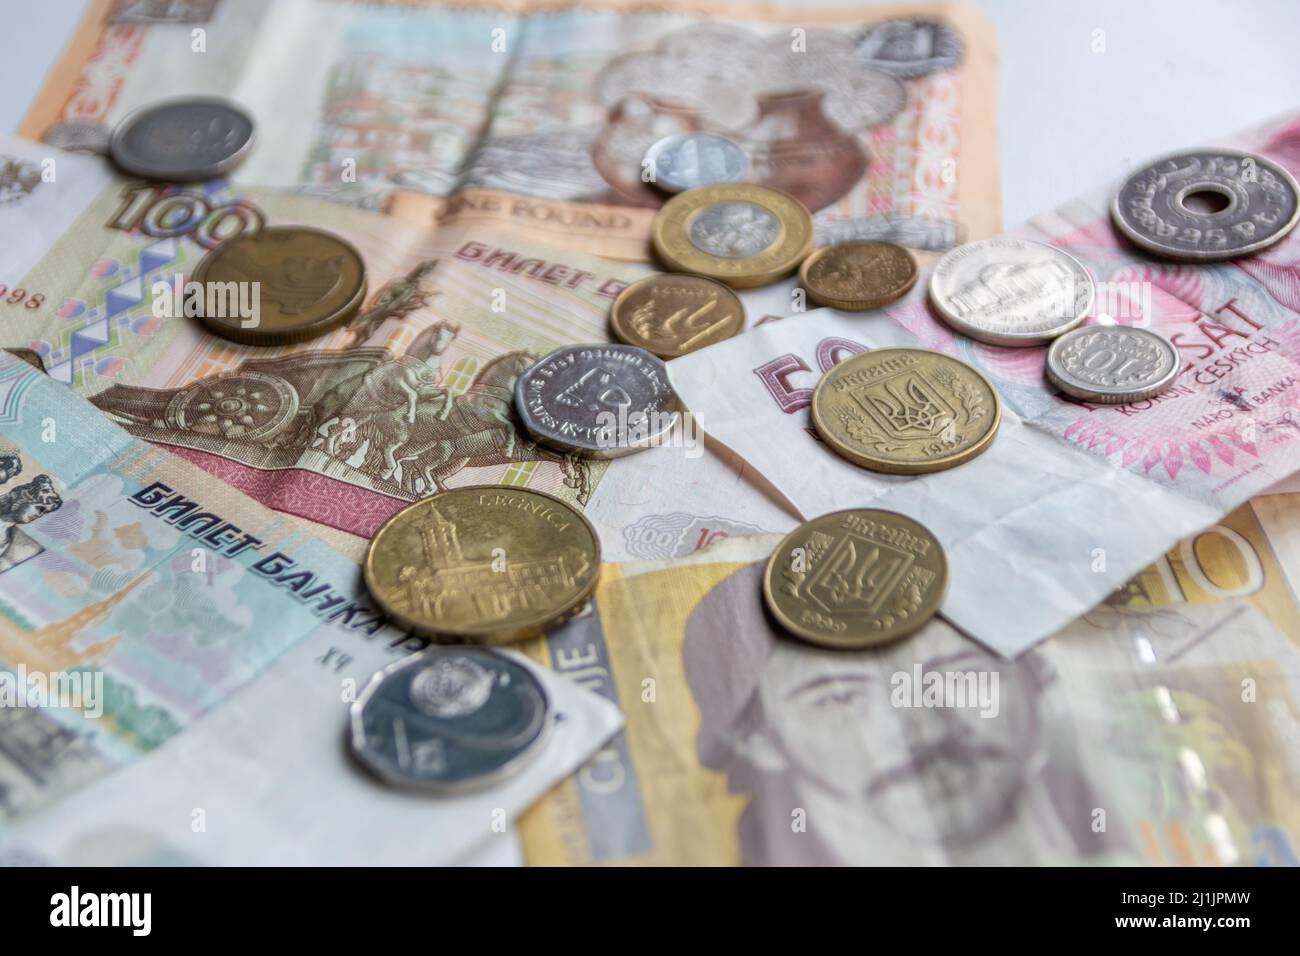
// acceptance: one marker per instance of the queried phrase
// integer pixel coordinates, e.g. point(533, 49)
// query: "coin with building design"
point(856, 578)
point(905, 411)
point(483, 565)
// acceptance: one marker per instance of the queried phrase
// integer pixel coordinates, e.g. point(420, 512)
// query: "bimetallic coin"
point(282, 285)
point(691, 160)
point(183, 139)
point(1207, 205)
point(673, 314)
point(1011, 291)
point(857, 578)
point(599, 401)
point(905, 411)
point(483, 565)
point(450, 720)
point(738, 233)
point(1112, 364)
point(858, 276)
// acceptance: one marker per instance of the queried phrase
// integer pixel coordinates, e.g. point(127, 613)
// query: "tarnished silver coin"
point(689, 160)
point(449, 719)
point(183, 139)
point(1112, 364)
point(79, 136)
point(1011, 291)
point(599, 401)
point(909, 48)
point(1207, 205)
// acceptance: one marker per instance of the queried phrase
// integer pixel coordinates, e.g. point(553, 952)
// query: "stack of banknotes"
point(1114, 674)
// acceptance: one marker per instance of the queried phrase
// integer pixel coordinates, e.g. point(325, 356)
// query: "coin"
point(857, 276)
point(738, 233)
point(599, 401)
point(483, 565)
point(856, 578)
point(905, 411)
point(690, 160)
point(1011, 291)
point(1112, 364)
point(450, 719)
point(673, 314)
point(300, 283)
point(182, 140)
point(1207, 205)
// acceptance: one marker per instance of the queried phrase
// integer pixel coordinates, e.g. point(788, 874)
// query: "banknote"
point(537, 116)
point(1071, 499)
point(412, 396)
point(1158, 729)
point(137, 595)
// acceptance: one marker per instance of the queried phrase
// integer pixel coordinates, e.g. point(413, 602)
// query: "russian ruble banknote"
point(1071, 499)
point(537, 116)
point(138, 596)
point(1158, 729)
point(327, 430)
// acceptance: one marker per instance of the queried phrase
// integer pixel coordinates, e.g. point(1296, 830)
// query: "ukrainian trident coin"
point(450, 719)
point(1112, 364)
point(1207, 205)
point(181, 140)
point(905, 411)
point(853, 579)
point(738, 233)
point(691, 160)
point(598, 401)
point(1011, 292)
point(282, 285)
point(673, 314)
point(483, 565)
point(858, 276)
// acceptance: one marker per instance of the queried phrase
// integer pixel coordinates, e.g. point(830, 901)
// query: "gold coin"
point(857, 276)
point(905, 411)
point(300, 283)
point(738, 233)
point(673, 314)
point(483, 565)
point(855, 578)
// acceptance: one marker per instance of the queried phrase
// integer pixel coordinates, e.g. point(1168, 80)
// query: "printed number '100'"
point(163, 213)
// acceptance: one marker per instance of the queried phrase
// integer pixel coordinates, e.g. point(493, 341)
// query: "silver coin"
point(910, 48)
point(599, 401)
point(1011, 291)
point(1112, 364)
point(1207, 205)
point(183, 140)
point(449, 719)
point(690, 160)
point(79, 136)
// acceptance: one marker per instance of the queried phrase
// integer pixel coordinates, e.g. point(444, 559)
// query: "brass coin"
point(673, 314)
point(858, 276)
point(739, 233)
point(308, 282)
point(905, 411)
point(856, 578)
point(483, 565)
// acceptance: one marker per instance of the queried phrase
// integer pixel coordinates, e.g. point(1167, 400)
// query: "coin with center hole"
point(182, 140)
point(1112, 364)
point(1207, 205)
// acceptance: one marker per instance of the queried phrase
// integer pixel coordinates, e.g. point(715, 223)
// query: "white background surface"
point(1174, 73)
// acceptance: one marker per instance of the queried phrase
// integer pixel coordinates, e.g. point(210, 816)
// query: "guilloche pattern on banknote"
point(124, 572)
point(1139, 735)
point(880, 123)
